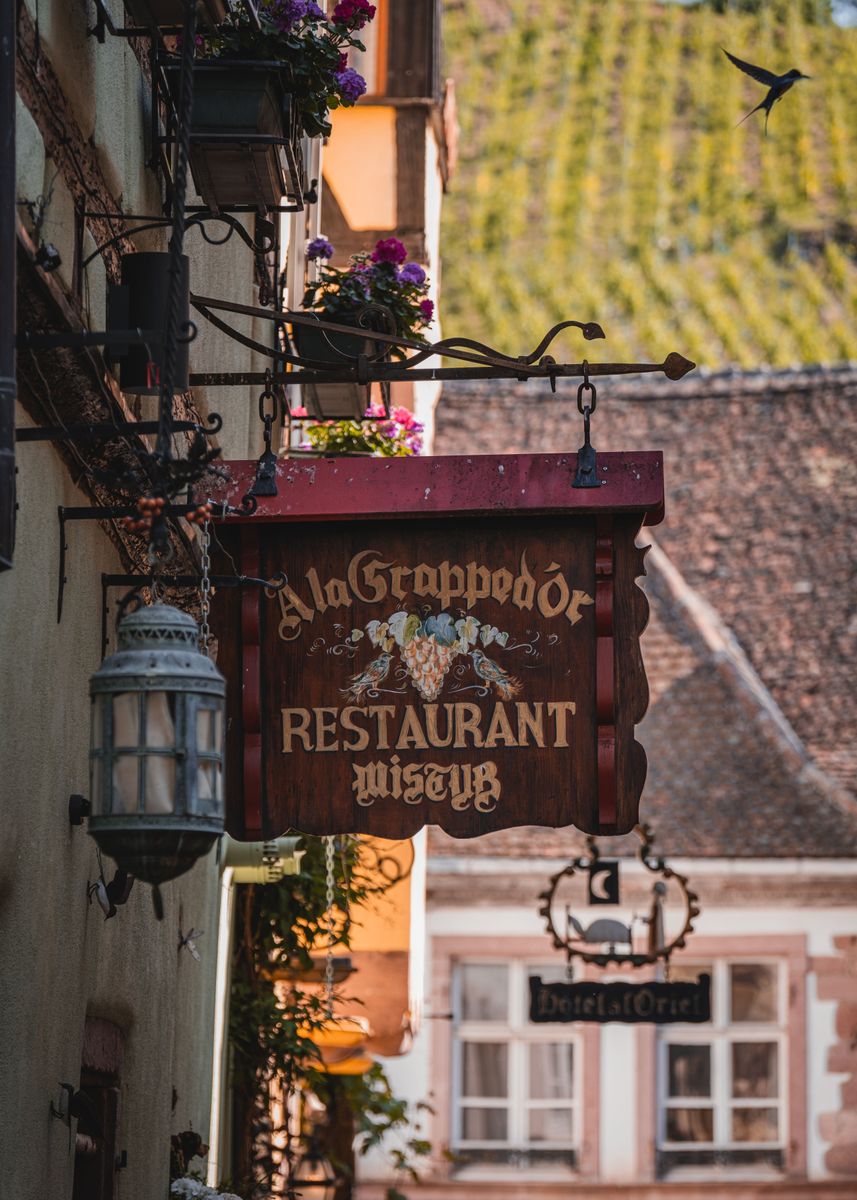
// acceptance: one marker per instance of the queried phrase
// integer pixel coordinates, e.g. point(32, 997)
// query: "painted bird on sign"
point(365, 681)
point(507, 685)
point(777, 85)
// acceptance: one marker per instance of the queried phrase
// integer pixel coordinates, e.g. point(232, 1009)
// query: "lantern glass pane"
point(208, 787)
point(126, 720)
point(160, 773)
point(126, 783)
point(160, 728)
point(96, 784)
point(208, 730)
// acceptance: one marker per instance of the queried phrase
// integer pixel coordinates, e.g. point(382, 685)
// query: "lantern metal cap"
point(158, 647)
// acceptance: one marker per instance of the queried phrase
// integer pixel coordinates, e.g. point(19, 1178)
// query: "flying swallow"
point(777, 85)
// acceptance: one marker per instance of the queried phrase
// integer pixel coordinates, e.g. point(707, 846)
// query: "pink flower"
point(389, 250)
point(375, 411)
point(300, 411)
point(404, 417)
point(427, 309)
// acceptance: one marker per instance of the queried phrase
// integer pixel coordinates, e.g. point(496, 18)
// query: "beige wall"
point(59, 960)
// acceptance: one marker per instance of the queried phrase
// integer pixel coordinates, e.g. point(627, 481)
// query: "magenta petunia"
point(389, 250)
point(427, 309)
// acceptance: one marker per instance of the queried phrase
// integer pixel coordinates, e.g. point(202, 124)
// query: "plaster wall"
point(626, 1098)
point(60, 961)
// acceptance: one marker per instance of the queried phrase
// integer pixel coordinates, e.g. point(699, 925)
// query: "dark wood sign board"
point(458, 645)
point(653, 1003)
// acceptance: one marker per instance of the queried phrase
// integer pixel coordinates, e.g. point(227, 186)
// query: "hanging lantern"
point(313, 1176)
point(157, 747)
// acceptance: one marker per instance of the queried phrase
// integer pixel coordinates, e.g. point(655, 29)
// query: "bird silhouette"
point(507, 685)
point(363, 681)
point(777, 85)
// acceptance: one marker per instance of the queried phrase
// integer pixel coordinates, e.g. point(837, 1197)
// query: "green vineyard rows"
point(602, 177)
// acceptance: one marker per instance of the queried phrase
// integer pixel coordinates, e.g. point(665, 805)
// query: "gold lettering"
point(524, 591)
point(292, 612)
point(547, 609)
point(361, 742)
point(315, 587)
point(478, 584)
point(379, 584)
point(380, 712)
point(577, 599)
point(413, 778)
point(395, 777)
point(325, 723)
point(487, 787)
point(451, 583)
point(432, 733)
point(336, 593)
point(411, 732)
point(435, 782)
point(501, 585)
point(295, 724)
point(467, 721)
point(397, 574)
point(425, 580)
point(370, 783)
point(499, 728)
point(559, 710)
point(530, 723)
point(461, 786)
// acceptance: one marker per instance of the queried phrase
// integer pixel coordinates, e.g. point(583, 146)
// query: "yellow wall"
point(360, 166)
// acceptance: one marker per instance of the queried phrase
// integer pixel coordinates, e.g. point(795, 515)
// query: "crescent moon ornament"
point(658, 948)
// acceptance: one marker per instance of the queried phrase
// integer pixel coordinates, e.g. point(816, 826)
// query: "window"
point(515, 1092)
point(721, 1085)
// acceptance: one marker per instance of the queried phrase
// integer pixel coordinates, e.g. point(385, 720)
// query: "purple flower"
point(313, 12)
point(389, 250)
point(286, 13)
point(412, 273)
point(427, 309)
point(319, 247)
point(350, 85)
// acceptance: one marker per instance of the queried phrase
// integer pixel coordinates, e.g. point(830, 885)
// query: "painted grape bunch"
point(428, 662)
point(427, 647)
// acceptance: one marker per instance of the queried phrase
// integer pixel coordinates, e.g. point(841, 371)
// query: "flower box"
point(244, 139)
point(170, 13)
point(334, 401)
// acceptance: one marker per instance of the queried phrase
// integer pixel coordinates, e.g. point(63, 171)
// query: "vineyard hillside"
point(601, 176)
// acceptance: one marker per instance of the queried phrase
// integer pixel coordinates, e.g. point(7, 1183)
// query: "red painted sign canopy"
point(457, 644)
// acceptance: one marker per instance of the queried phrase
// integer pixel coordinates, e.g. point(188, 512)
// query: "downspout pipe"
point(8, 250)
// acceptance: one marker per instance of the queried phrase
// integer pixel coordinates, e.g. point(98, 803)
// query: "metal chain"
point(205, 590)
point(328, 966)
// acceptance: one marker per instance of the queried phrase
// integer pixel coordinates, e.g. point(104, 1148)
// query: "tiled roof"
point(750, 731)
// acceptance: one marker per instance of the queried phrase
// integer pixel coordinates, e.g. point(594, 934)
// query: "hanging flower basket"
point(244, 138)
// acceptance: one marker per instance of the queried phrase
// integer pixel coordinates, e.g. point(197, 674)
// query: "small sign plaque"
point(652, 1003)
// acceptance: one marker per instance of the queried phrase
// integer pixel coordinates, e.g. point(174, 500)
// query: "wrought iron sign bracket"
point(97, 512)
point(169, 582)
point(482, 361)
point(106, 430)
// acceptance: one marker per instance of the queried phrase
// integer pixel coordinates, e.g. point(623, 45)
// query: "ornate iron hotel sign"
point(457, 644)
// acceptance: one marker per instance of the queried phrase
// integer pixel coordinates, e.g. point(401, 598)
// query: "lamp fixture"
point(156, 756)
point(313, 1176)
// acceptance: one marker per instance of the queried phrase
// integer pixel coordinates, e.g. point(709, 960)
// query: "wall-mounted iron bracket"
point(166, 582)
point(105, 430)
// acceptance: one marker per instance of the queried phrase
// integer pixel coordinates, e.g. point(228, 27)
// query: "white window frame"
point(517, 1034)
point(720, 1035)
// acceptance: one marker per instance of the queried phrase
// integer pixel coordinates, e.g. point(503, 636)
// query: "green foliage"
point(283, 926)
point(311, 50)
point(340, 292)
point(602, 177)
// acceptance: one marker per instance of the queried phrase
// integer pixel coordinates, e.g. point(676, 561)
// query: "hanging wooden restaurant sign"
point(457, 644)
point(655, 1002)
